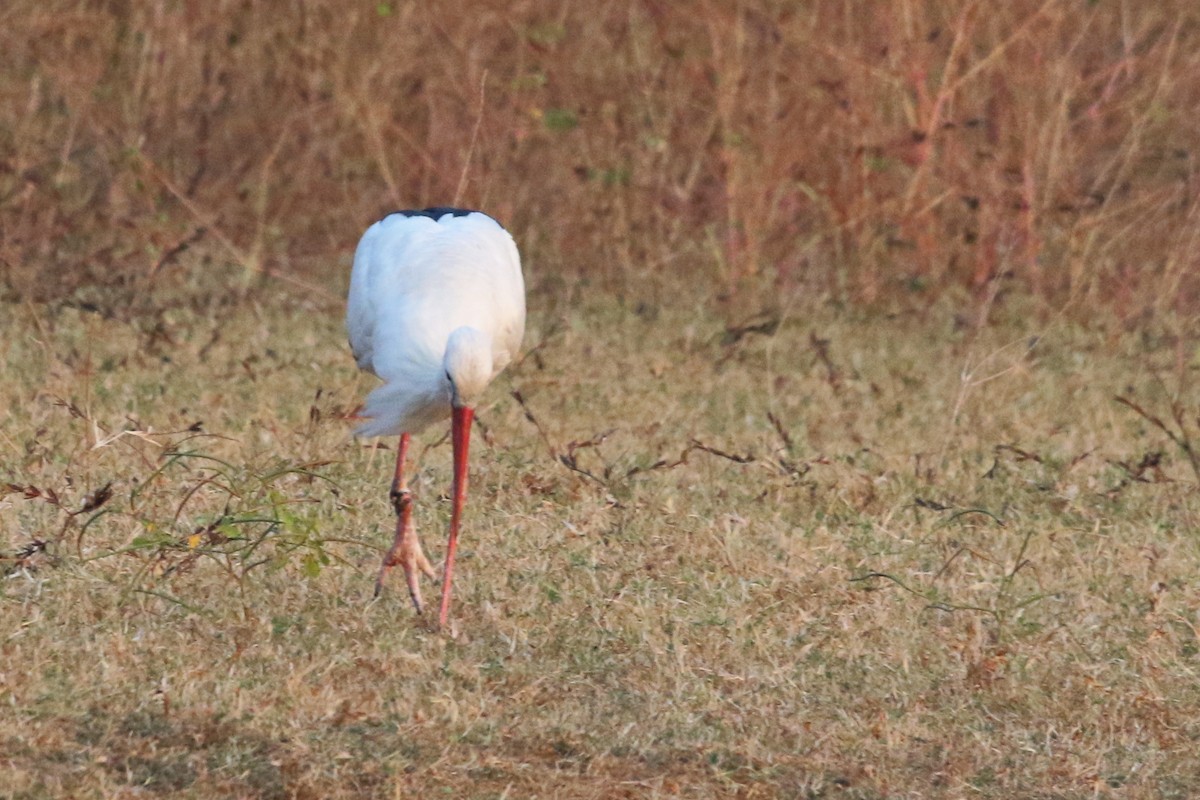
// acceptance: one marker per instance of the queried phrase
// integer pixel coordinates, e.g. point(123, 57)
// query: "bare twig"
point(1181, 437)
point(462, 178)
point(832, 375)
point(698, 445)
point(1022, 455)
point(765, 323)
point(693, 446)
point(516, 395)
point(172, 252)
point(780, 430)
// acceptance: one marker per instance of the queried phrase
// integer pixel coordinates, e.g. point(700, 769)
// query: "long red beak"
point(460, 434)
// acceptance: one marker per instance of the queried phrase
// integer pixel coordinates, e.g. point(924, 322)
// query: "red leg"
point(461, 436)
point(406, 547)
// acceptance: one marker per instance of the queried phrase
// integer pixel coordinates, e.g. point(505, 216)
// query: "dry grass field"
point(952, 564)
point(854, 452)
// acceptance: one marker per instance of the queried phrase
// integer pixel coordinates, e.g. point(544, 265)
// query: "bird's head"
point(468, 365)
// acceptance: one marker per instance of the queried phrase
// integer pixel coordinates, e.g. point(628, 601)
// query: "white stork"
point(436, 309)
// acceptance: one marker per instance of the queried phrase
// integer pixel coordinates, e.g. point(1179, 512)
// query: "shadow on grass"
point(150, 751)
point(207, 755)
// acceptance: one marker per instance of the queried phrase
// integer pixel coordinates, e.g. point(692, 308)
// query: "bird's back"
point(418, 276)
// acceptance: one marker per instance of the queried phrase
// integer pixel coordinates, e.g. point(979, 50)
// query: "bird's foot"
point(414, 563)
point(405, 551)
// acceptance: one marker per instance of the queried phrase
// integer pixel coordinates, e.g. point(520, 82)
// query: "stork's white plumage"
point(436, 309)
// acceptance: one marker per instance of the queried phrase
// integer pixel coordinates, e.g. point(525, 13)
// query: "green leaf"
point(560, 120)
point(546, 33)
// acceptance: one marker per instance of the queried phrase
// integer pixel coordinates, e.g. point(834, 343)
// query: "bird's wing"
point(393, 273)
point(418, 275)
point(360, 307)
